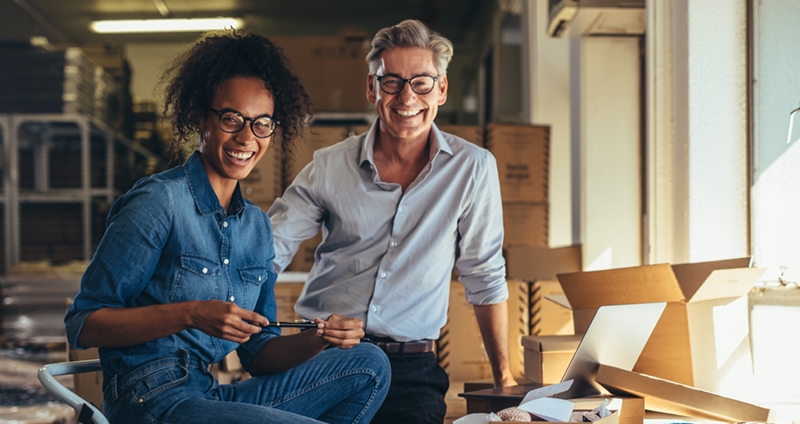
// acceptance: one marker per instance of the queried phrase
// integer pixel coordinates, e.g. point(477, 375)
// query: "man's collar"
point(438, 143)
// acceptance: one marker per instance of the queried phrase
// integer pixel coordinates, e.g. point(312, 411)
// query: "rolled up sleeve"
point(480, 264)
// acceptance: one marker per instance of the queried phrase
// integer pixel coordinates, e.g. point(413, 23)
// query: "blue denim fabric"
point(169, 240)
point(336, 386)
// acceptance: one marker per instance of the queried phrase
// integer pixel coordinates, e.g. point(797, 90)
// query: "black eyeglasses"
point(392, 84)
point(232, 122)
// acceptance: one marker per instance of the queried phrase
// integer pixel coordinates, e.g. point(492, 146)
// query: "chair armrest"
point(49, 371)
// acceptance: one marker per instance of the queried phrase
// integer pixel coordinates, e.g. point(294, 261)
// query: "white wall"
point(546, 77)
point(588, 91)
point(697, 131)
point(611, 155)
point(147, 62)
point(717, 142)
point(776, 173)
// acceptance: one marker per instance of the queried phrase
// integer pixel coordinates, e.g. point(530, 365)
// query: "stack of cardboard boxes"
point(522, 154)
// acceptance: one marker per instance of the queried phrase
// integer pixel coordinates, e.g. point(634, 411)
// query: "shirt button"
point(374, 309)
point(259, 278)
point(231, 298)
point(225, 224)
point(400, 209)
point(383, 275)
point(393, 244)
point(225, 261)
point(205, 271)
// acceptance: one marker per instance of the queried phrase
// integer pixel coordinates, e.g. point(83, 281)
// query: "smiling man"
point(400, 207)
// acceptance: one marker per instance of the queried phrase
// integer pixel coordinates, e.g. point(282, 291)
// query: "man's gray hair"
point(411, 33)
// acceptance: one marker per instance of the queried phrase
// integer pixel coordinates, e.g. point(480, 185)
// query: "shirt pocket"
point(197, 279)
point(253, 277)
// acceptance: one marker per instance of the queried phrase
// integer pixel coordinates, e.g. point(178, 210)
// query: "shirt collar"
point(204, 196)
point(438, 143)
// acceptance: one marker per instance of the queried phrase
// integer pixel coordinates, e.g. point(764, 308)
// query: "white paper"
point(478, 419)
point(549, 409)
point(547, 391)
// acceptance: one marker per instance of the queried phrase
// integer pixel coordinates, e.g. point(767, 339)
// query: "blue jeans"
point(336, 386)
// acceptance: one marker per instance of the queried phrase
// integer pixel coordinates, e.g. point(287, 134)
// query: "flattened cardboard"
point(691, 290)
point(673, 398)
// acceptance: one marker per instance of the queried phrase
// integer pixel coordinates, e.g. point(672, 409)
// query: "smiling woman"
point(184, 273)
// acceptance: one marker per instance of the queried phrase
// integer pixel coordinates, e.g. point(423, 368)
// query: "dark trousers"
point(417, 392)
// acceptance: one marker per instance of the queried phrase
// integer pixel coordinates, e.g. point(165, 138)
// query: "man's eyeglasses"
point(232, 122)
point(392, 84)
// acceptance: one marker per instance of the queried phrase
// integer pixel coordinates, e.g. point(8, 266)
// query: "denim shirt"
point(169, 240)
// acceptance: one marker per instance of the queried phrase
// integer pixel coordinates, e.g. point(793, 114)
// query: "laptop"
point(616, 337)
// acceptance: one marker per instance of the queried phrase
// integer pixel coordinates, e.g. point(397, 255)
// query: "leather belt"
point(392, 347)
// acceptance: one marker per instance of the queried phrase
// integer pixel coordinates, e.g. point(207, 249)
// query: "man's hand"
point(505, 379)
point(340, 331)
point(225, 320)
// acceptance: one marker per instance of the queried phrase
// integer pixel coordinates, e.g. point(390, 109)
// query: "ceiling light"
point(164, 25)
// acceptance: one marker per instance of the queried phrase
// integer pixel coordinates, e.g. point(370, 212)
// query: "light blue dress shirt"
point(387, 256)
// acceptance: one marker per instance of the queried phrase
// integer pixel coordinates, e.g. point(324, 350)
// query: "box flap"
point(673, 398)
point(552, 343)
point(559, 299)
point(692, 276)
point(725, 283)
point(621, 286)
point(541, 263)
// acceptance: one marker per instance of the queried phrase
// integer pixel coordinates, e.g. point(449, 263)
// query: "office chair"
point(87, 413)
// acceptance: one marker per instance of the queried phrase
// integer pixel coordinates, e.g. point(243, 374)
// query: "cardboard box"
point(88, 385)
point(541, 262)
point(460, 349)
point(673, 398)
point(540, 265)
point(472, 133)
point(333, 70)
point(303, 260)
point(316, 137)
point(525, 224)
point(265, 182)
point(547, 317)
point(702, 333)
point(523, 158)
point(547, 357)
point(627, 409)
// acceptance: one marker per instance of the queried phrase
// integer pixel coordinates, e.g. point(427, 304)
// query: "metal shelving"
point(39, 141)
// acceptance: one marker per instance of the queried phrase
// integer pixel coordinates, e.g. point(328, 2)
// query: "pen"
point(293, 324)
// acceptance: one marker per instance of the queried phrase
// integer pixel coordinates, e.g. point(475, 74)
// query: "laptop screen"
point(616, 337)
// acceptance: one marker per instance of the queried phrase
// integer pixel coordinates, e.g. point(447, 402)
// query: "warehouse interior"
point(650, 133)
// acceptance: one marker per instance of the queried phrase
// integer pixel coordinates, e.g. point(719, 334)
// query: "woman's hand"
point(226, 320)
point(340, 331)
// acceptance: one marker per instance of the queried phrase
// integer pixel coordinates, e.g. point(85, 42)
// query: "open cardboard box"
point(547, 357)
point(673, 398)
point(701, 339)
point(627, 409)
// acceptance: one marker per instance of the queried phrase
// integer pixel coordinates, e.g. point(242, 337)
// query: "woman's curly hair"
point(193, 77)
